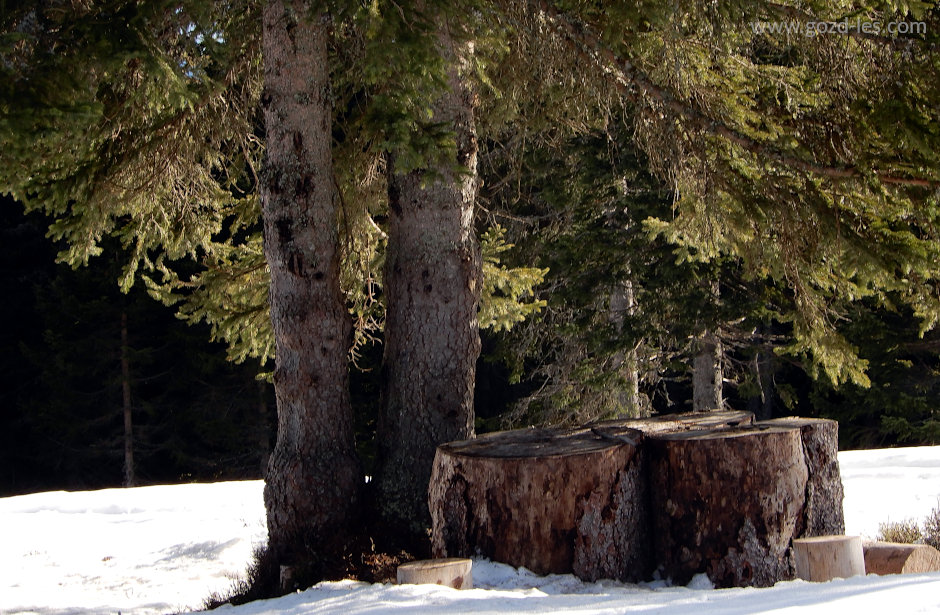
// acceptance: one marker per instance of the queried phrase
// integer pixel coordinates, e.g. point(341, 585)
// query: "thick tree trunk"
point(313, 477)
point(727, 503)
point(823, 515)
point(129, 479)
point(432, 289)
point(553, 501)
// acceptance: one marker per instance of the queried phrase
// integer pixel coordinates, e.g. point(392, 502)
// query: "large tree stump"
point(899, 558)
point(727, 503)
point(823, 515)
point(553, 501)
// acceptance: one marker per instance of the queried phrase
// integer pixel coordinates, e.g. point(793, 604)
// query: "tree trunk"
point(313, 477)
point(432, 289)
point(727, 503)
point(823, 515)
point(707, 375)
point(622, 303)
point(129, 479)
point(553, 501)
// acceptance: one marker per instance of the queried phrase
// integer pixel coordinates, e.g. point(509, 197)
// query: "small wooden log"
point(823, 515)
point(554, 501)
point(689, 421)
point(823, 558)
point(453, 572)
point(727, 502)
point(898, 558)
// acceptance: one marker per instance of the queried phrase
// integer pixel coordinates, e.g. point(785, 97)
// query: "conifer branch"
point(630, 78)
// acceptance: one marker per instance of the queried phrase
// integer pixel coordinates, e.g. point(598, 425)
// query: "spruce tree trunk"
point(129, 479)
point(707, 375)
point(432, 289)
point(313, 476)
point(623, 303)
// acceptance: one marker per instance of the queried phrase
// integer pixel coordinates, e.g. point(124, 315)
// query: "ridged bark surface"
point(554, 501)
point(313, 475)
point(727, 503)
point(432, 290)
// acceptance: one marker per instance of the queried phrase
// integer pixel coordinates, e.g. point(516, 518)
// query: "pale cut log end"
point(899, 558)
point(453, 572)
point(823, 558)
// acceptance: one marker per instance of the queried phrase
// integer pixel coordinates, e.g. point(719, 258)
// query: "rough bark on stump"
point(823, 515)
point(727, 502)
point(554, 501)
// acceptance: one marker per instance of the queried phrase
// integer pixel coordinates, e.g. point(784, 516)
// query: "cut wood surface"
point(823, 515)
point(456, 572)
point(727, 502)
point(689, 421)
point(898, 558)
point(554, 501)
point(823, 558)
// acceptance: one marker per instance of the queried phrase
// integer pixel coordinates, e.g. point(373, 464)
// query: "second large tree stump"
point(727, 503)
point(553, 501)
point(823, 515)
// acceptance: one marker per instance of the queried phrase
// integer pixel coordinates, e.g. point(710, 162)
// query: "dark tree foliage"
point(197, 416)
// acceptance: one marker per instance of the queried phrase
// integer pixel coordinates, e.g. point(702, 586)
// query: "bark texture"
point(707, 375)
point(727, 503)
point(823, 515)
point(313, 476)
point(553, 501)
point(432, 290)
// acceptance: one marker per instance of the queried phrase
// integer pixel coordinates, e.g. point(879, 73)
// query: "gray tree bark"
point(622, 303)
point(313, 477)
point(432, 287)
point(707, 375)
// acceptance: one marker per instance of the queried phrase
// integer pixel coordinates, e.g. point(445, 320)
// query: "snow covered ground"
point(164, 549)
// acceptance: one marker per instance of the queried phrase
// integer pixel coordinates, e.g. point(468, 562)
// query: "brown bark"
point(727, 503)
point(553, 501)
point(432, 289)
point(823, 515)
point(313, 476)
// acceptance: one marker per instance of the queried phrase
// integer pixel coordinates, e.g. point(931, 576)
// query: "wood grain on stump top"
point(743, 431)
point(688, 421)
point(540, 443)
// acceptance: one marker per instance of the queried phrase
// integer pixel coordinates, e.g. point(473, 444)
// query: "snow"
point(165, 549)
